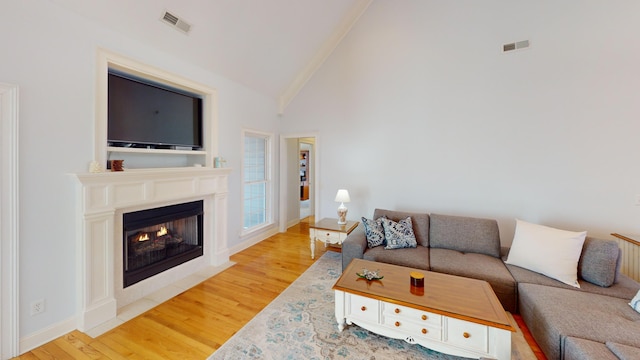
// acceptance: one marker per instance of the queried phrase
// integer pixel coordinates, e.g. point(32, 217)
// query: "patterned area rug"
point(300, 324)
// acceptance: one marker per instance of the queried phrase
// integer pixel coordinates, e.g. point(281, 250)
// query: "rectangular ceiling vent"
point(175, 22)
point(515, 46)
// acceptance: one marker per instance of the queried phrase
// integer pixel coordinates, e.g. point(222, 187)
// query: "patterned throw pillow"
point(399, 234)
point(635, 302)
point(374, 232)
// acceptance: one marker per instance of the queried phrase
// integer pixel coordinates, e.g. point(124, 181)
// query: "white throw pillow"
point(548, 251)
point(635, 302)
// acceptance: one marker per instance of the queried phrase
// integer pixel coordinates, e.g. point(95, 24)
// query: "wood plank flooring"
point(195, 323)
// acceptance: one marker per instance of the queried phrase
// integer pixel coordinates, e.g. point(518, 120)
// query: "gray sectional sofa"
point(590, 322)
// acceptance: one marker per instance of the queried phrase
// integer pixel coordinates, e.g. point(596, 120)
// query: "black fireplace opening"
point(155, 240)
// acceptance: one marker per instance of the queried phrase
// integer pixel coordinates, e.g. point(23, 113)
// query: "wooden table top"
point(332, 224)
point(454, 296)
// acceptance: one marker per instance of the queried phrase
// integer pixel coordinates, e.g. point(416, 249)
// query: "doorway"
point(298, 183)
point(305, 148)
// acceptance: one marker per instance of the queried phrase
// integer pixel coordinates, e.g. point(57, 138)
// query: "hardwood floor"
point(195, 323)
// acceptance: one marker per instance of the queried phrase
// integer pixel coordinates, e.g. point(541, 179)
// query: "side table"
point(329, 231)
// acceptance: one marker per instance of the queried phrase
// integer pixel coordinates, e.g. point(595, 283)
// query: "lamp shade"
point(342, 196)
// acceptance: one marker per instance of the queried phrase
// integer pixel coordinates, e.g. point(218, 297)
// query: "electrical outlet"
point(37, 307)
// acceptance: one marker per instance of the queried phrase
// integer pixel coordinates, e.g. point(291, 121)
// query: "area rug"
point(300, 324)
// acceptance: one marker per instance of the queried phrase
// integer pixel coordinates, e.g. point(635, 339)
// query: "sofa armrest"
point(354, 246)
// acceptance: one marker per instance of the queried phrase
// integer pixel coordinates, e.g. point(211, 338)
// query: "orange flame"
point(163, 231)
point(143, 237)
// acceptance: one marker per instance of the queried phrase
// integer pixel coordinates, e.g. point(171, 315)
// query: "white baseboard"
point(293, 222)
point(47, 334)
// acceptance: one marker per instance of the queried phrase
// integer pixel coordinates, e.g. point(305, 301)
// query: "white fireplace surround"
point(104, 197)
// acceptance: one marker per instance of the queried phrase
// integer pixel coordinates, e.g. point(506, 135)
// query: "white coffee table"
point(450, 314)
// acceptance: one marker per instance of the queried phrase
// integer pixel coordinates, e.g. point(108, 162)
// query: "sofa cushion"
point(465, 234)
point(599, 261)
point(398, 235)
point(373, 231)
point(420, 222)
point(477, 266)
point(624, 288)
point(624, 352)
point(580, 349)
point(553, 313)
point(411, 257)
point(552, 252)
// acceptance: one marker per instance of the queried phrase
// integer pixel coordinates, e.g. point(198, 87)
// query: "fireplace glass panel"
point(158, 239)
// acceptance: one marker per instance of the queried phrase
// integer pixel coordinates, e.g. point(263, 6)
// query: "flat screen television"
point(144, 114)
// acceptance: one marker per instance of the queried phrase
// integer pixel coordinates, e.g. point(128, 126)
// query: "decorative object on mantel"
point(370, 275)
point(219, 162)
point(342, 197)
point(116, 165)
point(95, 167)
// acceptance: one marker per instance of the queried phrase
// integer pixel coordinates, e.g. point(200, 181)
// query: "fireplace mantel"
point(102, 197)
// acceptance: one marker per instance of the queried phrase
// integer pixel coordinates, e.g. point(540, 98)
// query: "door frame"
point(284, 165)
point(9, 211)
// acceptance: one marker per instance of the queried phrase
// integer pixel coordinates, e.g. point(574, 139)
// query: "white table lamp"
point(342, 197)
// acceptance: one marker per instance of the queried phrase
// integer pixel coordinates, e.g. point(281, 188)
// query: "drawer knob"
point(397, 311)
point(466, 335)
point(397, 323)
point(364, 308)
point(328, 234)
point(424, 317)
point(424, 331)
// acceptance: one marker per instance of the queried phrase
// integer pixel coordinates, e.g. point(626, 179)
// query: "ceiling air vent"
point(175, 22)
point(515, 46)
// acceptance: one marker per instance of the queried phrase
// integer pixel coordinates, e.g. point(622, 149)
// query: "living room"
point(417, 108)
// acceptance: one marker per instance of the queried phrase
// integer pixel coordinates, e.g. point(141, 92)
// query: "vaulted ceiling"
point(271, 46)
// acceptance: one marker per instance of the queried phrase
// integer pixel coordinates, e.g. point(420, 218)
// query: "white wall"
point(51, 54)
point(419, 109)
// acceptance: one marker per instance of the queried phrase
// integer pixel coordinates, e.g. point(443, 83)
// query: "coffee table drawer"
point(413, 329)
point(359, 307)
point(413, 315)
point(468, 335)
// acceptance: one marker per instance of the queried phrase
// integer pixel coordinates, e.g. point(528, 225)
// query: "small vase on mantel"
point(95, 167)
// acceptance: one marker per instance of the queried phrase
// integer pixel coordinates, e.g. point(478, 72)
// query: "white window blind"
point(257, 182)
